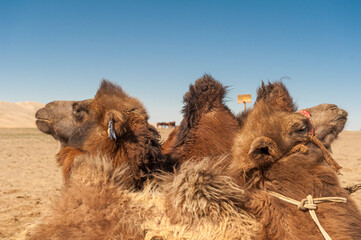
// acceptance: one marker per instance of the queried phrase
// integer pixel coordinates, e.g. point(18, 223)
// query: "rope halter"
point(310, 204)
point(313, 138)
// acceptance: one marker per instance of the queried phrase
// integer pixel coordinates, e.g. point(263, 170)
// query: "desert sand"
point(18, 115)
point(30, 179)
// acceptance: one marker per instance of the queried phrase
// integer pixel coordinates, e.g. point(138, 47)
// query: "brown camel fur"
point(196, 202)
point(208, 126)
point(99, 203)
point(263, 161)
point(112, 123)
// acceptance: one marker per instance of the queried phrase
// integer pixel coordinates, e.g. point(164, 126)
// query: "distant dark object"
point(166, 124)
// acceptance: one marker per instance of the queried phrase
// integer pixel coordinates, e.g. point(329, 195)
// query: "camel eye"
point(78, 111)
point(302, 129)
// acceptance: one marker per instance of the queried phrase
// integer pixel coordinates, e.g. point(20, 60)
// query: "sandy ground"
point(18, 115)
point(30, 179)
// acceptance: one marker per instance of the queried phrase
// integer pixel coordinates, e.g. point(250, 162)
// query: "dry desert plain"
point(30, 179)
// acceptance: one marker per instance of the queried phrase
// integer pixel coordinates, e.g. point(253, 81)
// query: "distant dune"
point(18, 115)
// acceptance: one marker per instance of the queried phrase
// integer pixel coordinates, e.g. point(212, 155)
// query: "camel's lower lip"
point(341, 118)
point(43, 125)
point(43, 120)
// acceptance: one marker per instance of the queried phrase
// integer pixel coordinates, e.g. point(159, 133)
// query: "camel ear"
point(264, 149)
point(116, 122)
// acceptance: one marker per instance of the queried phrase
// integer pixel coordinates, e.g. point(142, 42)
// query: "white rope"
point(310, 204)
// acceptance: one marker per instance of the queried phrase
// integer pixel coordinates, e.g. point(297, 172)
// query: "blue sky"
point(60, 50)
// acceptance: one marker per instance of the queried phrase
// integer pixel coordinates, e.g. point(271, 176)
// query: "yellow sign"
point(244, 98)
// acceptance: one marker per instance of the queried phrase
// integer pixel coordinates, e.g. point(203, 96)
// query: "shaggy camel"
point(269, 159)
point(112, 123)
point(99, 202)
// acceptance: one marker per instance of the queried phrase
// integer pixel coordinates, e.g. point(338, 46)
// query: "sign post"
point(244, 98)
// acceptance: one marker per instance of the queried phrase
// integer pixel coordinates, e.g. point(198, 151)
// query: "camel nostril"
point(264, 151)
point(342, 113)
point(42, 114)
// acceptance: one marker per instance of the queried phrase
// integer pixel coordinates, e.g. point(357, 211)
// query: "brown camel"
point(112, 123)
point(273, 155)
point(198, 198)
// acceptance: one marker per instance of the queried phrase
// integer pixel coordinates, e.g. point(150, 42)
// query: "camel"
point(274, 159)
point(100, 202)
point(112, 123)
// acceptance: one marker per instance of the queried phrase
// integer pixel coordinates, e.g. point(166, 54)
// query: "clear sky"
point(60, 50)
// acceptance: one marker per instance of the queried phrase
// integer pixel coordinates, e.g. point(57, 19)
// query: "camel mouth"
point(42, 119)
point(44, 125)
point(343, 118)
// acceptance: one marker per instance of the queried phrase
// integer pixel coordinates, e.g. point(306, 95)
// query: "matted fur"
point(99, 203)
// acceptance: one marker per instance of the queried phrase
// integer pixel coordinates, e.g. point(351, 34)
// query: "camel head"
point(66, 121)
point(266, 135)
point(328, 121)
point(70, 122)
point(112, 124)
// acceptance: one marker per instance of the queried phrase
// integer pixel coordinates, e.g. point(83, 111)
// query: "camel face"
point(64, 120)
point(71, 121)
point(328, 121)
point(112, 124)
point(268, 134)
